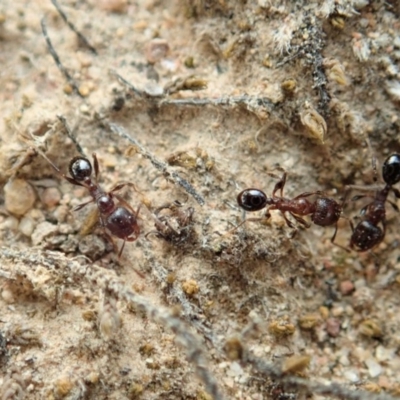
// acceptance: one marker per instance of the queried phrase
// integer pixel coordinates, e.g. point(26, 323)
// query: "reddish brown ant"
point(370, 231)
point(324, 211)
point(116, 219)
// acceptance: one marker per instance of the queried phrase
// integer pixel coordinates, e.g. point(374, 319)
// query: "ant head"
point(391, 169)
point(252, 199)
point(80, 168)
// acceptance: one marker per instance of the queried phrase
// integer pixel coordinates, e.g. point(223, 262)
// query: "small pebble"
point(374, 368)
point(156, 50)
point(190, 287)
point(70, 244)
point(61, 213)
point(51, 197)
point(19, 196)
point(7, 295)
point(337, 311)
point(363, 299)
point(333, 327)
point(109, 320)
point(346, 287)
point(26, 226)
point(84, 90)
point(10, 223)
point(92, 246)
point(352, 376)
point(115, 6)
point(43, 230)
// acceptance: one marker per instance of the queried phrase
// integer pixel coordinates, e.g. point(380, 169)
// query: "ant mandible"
point(367, 234)
point(324, 211)
point(119, 219)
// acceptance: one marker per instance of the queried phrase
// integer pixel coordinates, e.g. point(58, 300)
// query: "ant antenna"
point(49, 161)
point(81, 38)
point(373, 159)
point(56, 58)
point(70, 134)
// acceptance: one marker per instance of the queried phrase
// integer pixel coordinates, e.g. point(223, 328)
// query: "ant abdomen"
point(252, 199)
point(366, 235)
point(122, 223)
point(327, 211)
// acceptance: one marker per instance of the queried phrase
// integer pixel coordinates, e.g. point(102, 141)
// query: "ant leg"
point(110, 239)
point(127, 205)
point(119, 186)
point(308, 194)
point(396, 192)
point(334, 237)
point(300, 220)
point(360, 196)
point(266, 217)
point(80, 206)
point(72, 180)
point(280, 185)
point(122, 249)
point(394, 205)
point(68, 178)
point(352, 230)
point(242, 223)
point(289, 224)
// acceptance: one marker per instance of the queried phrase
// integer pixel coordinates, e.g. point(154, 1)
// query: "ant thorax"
point(105, 203)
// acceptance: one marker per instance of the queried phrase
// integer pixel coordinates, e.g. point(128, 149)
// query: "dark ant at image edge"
point(371, 230)
point(325, 211)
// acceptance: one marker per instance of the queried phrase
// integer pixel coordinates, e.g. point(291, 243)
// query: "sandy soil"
point(190, 311)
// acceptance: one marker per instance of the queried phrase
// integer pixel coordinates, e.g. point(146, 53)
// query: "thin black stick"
point(57, 60)
point(160, 165)
point(82, 38)
point(128, 84)
point(68, 129)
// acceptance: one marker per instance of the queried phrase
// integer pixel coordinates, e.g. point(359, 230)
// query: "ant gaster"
point(116, 219)
point(324, 211)
point(371, 230)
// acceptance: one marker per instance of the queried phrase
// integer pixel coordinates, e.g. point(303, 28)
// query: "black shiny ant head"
point(391, 169)
point(252, 199)
point(80, 169)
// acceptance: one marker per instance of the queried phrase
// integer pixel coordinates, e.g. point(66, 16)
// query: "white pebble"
point(351, 376)
point(10, 223)
point(374, 369)
point(26, 226)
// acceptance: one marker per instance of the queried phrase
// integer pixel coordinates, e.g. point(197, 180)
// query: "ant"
point(119, 219)
point(324, 211)
point(367, 234)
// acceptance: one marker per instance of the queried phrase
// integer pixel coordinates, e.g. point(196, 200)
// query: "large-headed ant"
point(324, 211)
point(116, 219)
point(371, 230)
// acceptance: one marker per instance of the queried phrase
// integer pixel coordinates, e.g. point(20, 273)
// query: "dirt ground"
point(214, 96)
